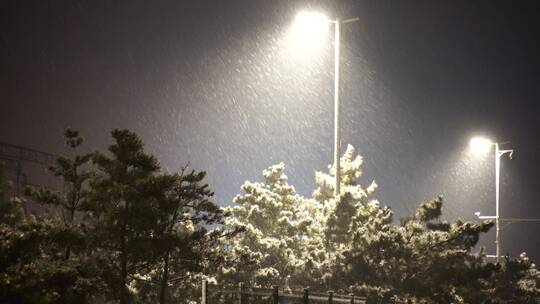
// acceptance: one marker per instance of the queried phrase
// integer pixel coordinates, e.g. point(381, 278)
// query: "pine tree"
point(161, 229)
point(183, 241)
point(119, 230)
point(516, 280)
point(352, 243)
point(423, 259)
point(11, 211)
point(69, 202)
point(122, 206)
point(37, 261)
point(278, 233)
point(369, 253)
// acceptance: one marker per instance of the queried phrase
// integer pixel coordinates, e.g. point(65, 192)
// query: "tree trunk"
point(165, 277)
point(124, 294)
point(164, 280)
point(72, 219)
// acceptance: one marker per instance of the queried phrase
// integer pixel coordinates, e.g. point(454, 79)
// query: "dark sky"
point(210, 82)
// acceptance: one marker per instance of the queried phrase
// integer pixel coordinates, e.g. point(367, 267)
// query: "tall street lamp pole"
point(498, 155)
point(337, 131)
point(481, 144)
point(309, 25)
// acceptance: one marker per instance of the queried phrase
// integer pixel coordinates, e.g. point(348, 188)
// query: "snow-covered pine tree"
point(353, 244)
point(278, 239)
point(354, 215)
point(368, 253)
point(424, 259)
point(342, 216)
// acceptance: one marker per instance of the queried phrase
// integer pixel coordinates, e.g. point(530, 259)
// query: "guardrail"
point(241, 294)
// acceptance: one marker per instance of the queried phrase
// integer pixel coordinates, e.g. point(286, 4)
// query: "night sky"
point(212, 83)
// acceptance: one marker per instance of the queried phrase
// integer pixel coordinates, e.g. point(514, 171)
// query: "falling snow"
point(227, 93)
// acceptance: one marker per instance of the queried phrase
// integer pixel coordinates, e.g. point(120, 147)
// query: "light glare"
point(480, 145)
point(308, 32)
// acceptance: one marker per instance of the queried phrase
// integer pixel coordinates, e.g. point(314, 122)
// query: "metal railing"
point(241, 294)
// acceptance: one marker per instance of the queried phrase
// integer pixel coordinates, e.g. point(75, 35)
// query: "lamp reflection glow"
point(308, 32)
point(480, 145)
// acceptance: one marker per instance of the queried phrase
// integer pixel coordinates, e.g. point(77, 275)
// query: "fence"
point(214, 294)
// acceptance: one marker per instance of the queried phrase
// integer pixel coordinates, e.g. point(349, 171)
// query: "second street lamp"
point(479, 144)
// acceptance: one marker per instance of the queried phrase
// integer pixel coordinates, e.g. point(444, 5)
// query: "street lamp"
point(308, 23)
point(483, 145)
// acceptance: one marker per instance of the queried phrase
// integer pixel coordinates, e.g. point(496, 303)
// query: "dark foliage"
point(120, 230)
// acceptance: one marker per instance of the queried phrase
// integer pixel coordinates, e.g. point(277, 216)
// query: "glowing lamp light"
point(308, 32)
point(480, 145)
